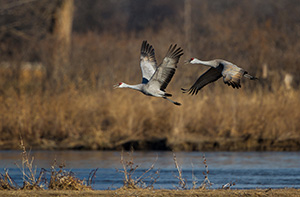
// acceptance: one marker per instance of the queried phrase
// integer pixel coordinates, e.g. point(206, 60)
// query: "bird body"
point(156, 78)
point(230, 72)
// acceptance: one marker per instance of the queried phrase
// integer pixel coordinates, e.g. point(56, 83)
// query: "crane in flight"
point(156, 78)
point(230, 72)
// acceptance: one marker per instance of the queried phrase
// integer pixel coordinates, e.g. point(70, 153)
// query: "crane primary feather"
point(155, 78)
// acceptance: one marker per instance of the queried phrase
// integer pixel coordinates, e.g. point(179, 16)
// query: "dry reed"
point(65, 180)
point(59, 179)
point(129, 169)
point(206, 182)
point(84, 112)
point(6, 182)
point(182, 181)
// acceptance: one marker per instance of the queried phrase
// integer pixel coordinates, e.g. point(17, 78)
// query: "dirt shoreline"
point(162, 192)
point(163, 144)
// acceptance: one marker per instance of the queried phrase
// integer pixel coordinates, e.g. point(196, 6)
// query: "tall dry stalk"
point(206, 182)
point(29, 172)
point(182, 181)
point(129, 169)
point(6, 182)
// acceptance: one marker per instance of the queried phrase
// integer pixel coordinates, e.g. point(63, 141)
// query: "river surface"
point(248, 170)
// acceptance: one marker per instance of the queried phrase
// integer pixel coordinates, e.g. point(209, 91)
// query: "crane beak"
point(186, 61)
point(115, 86)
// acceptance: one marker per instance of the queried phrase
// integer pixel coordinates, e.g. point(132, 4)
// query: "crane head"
point(189, 61)
point(120, 85)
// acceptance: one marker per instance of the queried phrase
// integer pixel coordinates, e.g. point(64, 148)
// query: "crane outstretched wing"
point(165, 71)
point(213, 74)
point(147, 61)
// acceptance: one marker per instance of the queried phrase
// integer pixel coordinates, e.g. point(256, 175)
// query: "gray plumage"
point(156, 78)
point(230, 72)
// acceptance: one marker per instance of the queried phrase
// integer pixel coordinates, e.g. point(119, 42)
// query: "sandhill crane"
point(156, 78)
point(230, 72)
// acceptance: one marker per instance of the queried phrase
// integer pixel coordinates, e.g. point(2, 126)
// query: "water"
point(248, 170)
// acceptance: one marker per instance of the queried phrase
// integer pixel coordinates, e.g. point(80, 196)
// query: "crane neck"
point(211, 63)
point(135, 87)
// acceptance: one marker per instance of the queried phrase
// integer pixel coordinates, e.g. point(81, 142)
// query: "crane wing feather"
point(166, 69)
point(209, 76)
point(147, 61)
point(232, 77)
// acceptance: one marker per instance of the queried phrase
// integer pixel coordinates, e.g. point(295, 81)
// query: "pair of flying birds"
point(156, 78)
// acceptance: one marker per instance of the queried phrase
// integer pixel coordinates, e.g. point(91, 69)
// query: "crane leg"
point(174, 102)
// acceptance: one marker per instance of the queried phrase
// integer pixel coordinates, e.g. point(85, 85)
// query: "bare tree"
point(187, 24)
point(61, 30)
point(34, 30)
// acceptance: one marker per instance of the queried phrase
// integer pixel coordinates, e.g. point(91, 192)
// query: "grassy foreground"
point(66, 184)
point(145, 192)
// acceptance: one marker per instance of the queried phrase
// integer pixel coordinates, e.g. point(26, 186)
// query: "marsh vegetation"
point(75, 107)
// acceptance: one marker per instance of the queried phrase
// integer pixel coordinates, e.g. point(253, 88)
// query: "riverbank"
point(146, 192)
point(196, 143)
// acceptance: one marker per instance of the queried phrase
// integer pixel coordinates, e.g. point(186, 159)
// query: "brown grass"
point(6, 182)
point(65, 180)
point(106, 119)
point(130, 179)
point(84, 112)
point(60, 179)
point(160, 192)
point(182, 182)
point(31, 180)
